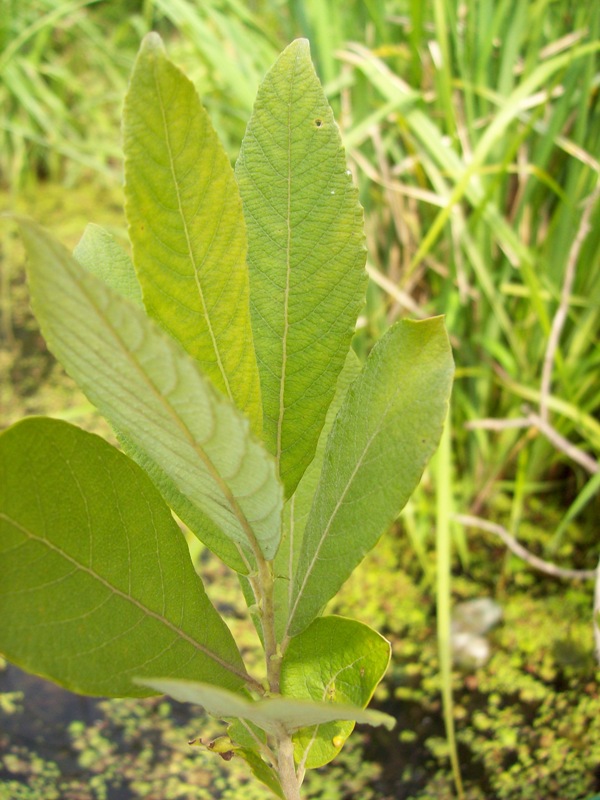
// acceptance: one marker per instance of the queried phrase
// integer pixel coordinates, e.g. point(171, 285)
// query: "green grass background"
point(473, 132)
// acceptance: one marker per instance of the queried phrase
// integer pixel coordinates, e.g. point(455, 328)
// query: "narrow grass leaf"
point(306, 255)
point(96, 582)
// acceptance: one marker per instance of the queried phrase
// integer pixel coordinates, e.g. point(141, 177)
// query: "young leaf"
point(337, 660)
point(271, 714)
point(156, 396)
point(385, 432)
point(306, 255)
point(96, 583)
point(98, 252)
point(297, 508)
point(261, 770)
point(187, 226)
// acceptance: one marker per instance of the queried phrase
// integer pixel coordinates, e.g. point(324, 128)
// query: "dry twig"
point(515, 547)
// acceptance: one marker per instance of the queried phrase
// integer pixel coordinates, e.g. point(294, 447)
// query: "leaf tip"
point(152, 44)
point(298, 47)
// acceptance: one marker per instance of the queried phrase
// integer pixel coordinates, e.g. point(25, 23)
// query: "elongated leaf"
point(267, 714)
point(334, 659)
point(156, 395)
point(384, 434)
point(98, 252)
point(306, 255)
point(96, 582)
point(187, 226)
point(297, 508)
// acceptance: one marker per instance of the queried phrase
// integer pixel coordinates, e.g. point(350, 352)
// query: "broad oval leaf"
point(306, 255)
point(156, 396)
point(337, 660)
point(270, 715)
point(384, 434)
point(187, 226)
point(96, 582)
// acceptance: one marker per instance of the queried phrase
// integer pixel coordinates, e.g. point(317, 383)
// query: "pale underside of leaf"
point(99, 253)
point(271, 715)
point(187, 226)
point(306, 255)
point(155, 394)
point(96, 581)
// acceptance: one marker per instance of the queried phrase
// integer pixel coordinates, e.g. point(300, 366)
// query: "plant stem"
point(267, 613)
point(286, 767)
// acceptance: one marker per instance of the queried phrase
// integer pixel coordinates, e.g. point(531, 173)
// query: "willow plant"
point(220, 353)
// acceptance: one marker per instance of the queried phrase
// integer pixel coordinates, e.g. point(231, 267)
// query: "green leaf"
point(306, 255)
point(98, 252)
point(156, 396)
point(96, 582)
point(297, 508)
point(196, 520)
point(334, 659)
point(271, 714)
point(261, 770)
point(383, 436)
point(187, 226)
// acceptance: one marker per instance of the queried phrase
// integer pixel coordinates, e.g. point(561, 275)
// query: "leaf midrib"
point(288, 256)
point(120, 593)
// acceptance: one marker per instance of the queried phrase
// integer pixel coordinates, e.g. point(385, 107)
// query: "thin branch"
point(563, 307)
point(564, 445)
point(533, 420)
point(491, 424)
point(513, 545)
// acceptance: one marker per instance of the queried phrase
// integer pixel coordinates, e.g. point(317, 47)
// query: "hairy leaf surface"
point(96, 582)
point(98, 252)
point(336, 660)
point(267, 714)
point(187, 226)
point(387, 429)
point(306, 255)
point(156, 396)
